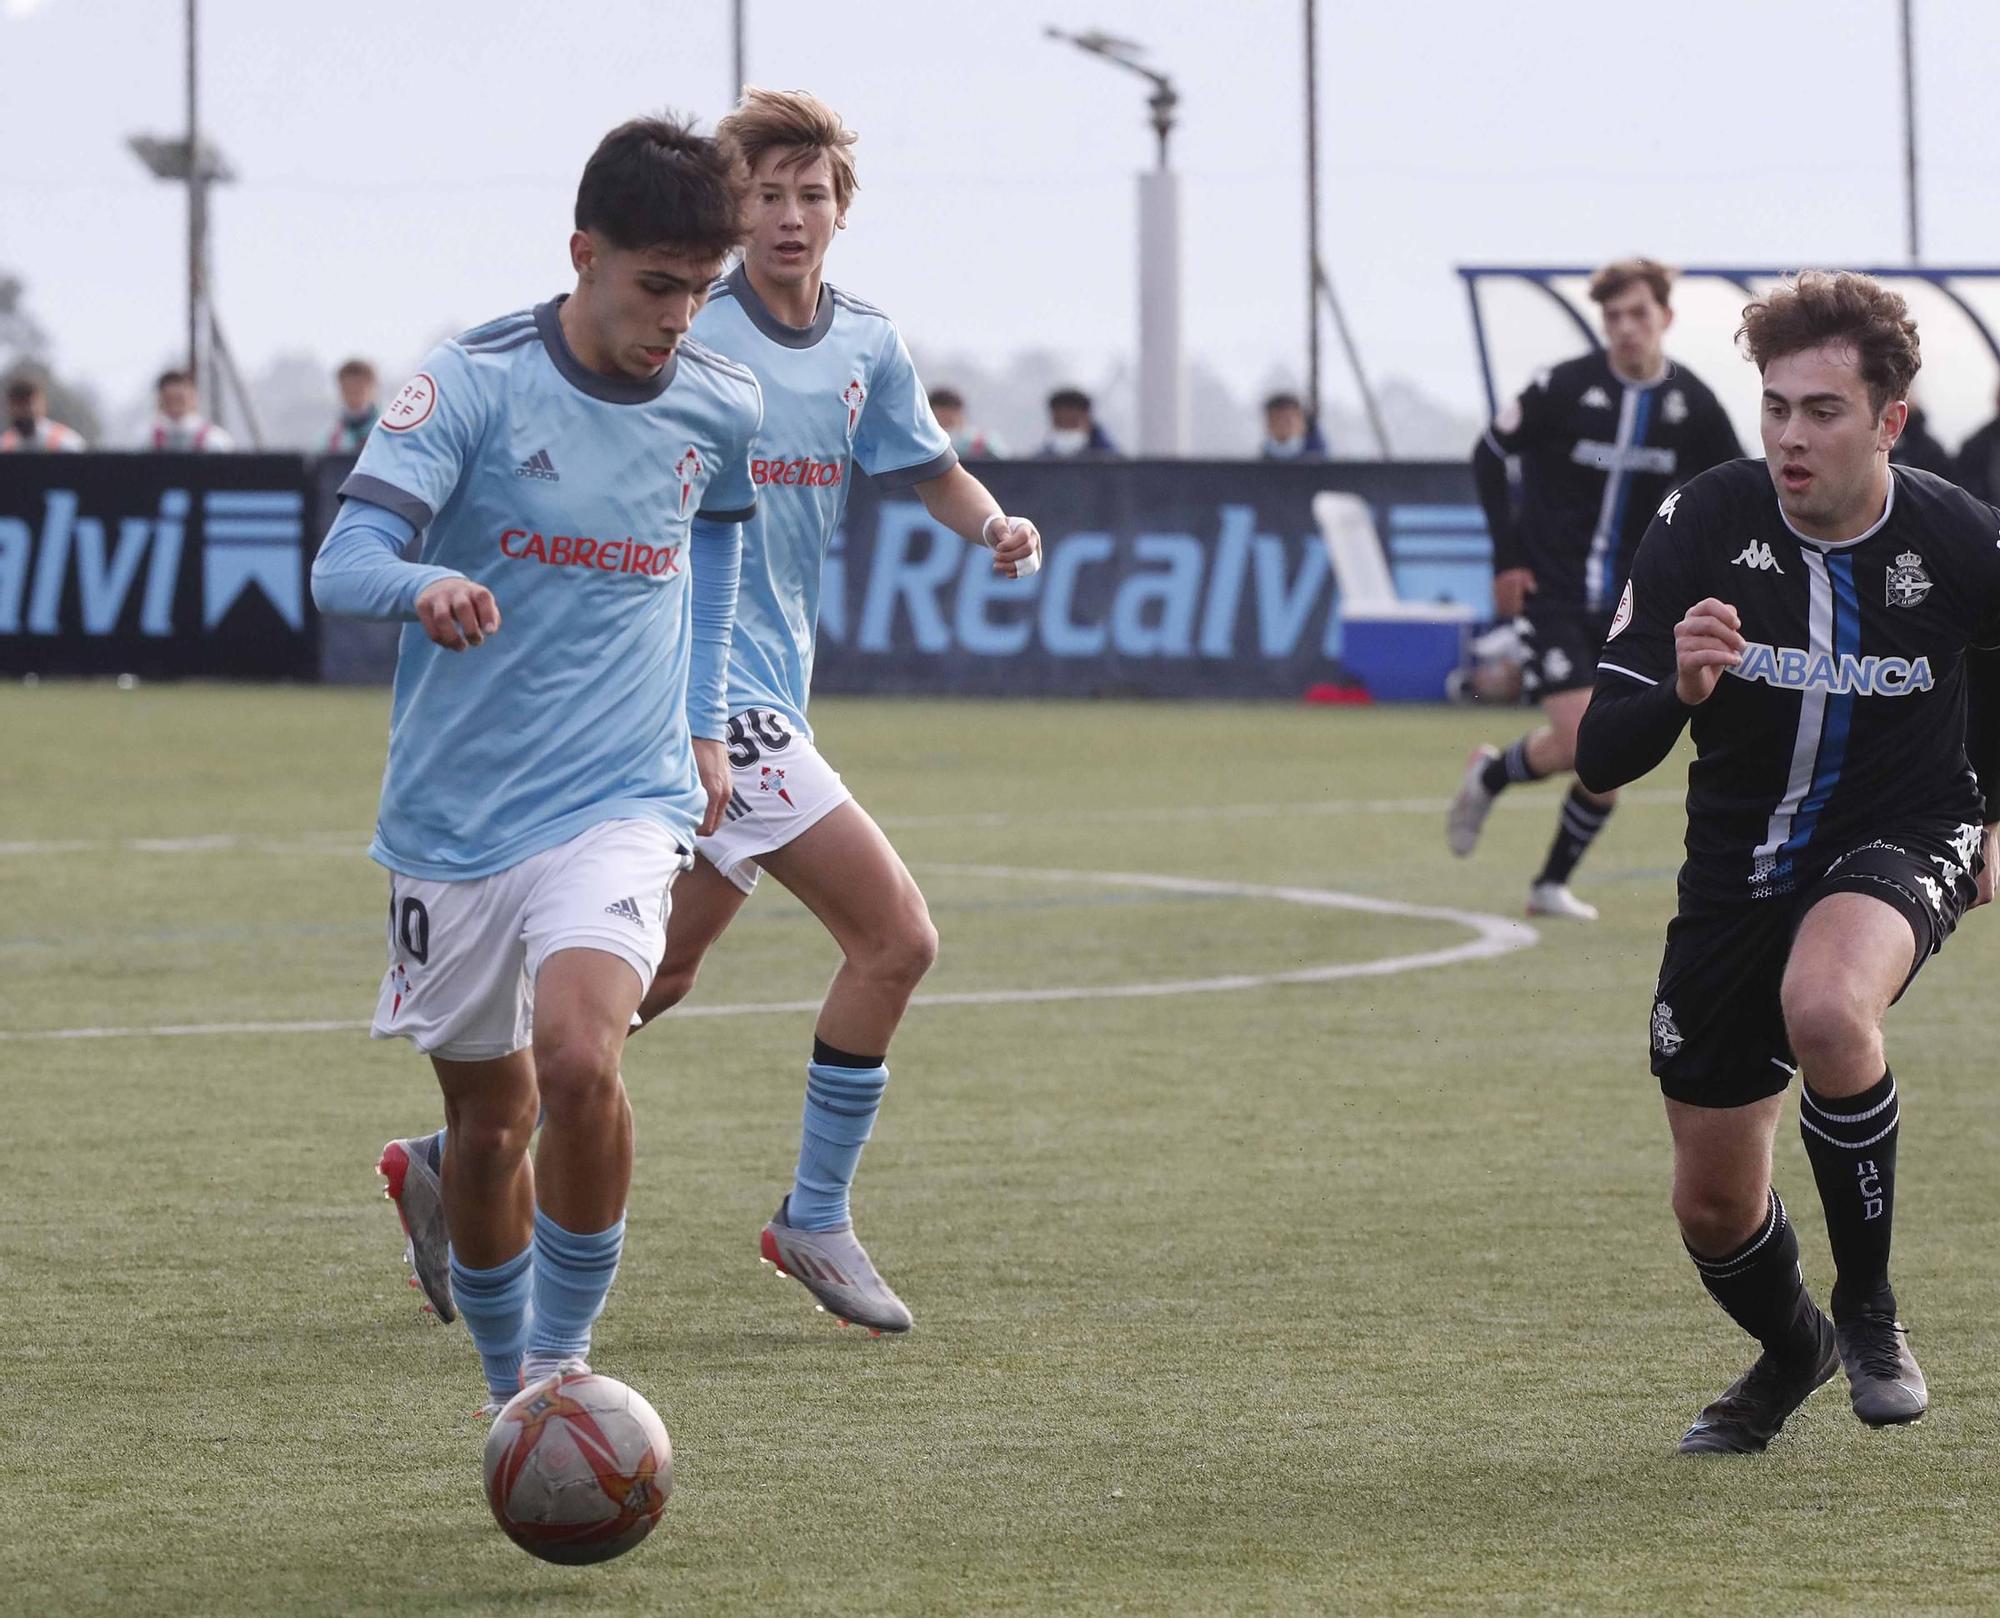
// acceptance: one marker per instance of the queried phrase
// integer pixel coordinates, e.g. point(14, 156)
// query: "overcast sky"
point(408, 169)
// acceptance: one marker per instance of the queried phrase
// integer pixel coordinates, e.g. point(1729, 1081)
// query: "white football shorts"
point(782, 787)
point(463, 956)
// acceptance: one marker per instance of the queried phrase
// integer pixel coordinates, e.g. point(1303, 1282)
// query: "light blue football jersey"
point(569, 495)
point(839, 393)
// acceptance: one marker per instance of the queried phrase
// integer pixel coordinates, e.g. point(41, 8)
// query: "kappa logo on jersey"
point(687, 469)
point(1757, 557)
point(1666, 1037)
point(1790, 669)
point(413, 406)
point(1595, 398)
point(1668, 507)
point(854, 396)
point(1674, 407)
point(1908, 583)
point(1623, 615)
point(770, 780)
point(538, 465)
point(1965, 844)
point(1932, 891)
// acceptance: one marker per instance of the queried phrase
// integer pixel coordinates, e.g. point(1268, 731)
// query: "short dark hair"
point(23, 388)
point(1069, 399)
point(653, 182)
point(355, 367)
point(1284, 401)
point(1622, 274)
point(946, 399)
point(1816, 308)
point(173, 374)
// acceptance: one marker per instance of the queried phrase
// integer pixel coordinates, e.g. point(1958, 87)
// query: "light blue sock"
point(841, 1103)
point(572, 1276)
point(496, 1307)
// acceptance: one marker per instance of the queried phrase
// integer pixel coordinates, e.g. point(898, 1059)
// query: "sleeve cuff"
point(360, 486)
point(903, 476)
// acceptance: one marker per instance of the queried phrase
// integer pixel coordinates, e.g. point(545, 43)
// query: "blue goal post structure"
point(1528, 317)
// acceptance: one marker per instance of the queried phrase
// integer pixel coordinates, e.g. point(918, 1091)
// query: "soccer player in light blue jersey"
point(839, 392)
point(578, 473)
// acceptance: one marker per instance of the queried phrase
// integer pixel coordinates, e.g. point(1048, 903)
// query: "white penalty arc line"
point(1492, 936)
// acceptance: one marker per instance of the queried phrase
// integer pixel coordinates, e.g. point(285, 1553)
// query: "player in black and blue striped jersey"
point(1819, 617)
point(1599, 440)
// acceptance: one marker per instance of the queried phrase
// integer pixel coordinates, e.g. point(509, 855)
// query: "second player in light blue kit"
point(578, 473)
point(839, 392)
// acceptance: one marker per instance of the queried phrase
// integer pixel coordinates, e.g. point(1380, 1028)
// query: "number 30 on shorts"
point(410, 925)
point(753, 733)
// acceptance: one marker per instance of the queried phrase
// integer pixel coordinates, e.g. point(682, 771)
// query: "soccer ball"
point(578, 1468)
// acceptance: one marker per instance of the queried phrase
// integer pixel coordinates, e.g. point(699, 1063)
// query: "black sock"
point(1852, 1144)
point(1510, 768)
point(824, 1055)
point(1760, 1288)
point(1578, 826)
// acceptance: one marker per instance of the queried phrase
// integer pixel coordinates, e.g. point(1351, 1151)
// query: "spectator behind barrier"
point(972, 443)
point(1073, 431)
point(1978, 462)
point(1289, 434)
point(358, 409)
point(1919, 447)
point(179, 425)
point(28, 425)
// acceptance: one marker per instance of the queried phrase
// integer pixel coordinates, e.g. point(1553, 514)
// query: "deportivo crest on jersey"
point(1908, 583)
point(1623, 615)
point(687, 469)
point(1757, 555)
point(1675, 406)
point(854, 396)
point(1667, 507)
point(1666, 1036)
point(1595, 399)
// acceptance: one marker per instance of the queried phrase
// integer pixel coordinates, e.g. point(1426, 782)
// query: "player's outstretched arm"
point(1513, 581)
point(961, 502)
point(360, 573)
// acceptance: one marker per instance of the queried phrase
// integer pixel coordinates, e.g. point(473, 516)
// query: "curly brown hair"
point(1622, 273)
point(1817, 308)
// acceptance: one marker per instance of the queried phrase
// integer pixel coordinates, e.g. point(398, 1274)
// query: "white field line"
point(1492, 936)
point(352, 844)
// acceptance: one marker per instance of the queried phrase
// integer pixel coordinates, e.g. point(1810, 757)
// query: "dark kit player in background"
point(1600, 439)
point(1816, 616)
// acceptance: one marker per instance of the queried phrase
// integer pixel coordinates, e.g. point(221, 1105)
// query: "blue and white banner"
point(158, 565)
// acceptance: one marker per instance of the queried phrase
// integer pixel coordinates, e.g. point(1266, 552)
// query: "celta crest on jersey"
point(1908, 583)
point(687, 469)
point(1791, 669)
point(854, 396)
point(1757, 556)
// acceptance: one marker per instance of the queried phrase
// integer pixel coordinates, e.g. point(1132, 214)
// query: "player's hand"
point(711, 763)
point(1017, 545)
point(1706, 642)
point(1511, 588)
point(1990, 847)
point(456, 613)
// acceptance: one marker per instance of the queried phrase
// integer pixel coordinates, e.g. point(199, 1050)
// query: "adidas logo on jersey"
point(626, 910)
point(1757, 556)
point(538, 465)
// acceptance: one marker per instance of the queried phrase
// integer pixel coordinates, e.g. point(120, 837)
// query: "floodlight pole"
point(1910, 131)
point(197, 201)
point(1162, 382)
point(1312, 213)
point(736, 22)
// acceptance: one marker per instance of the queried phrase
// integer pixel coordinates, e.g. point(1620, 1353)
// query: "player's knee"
point(1718, 1219)
point(492, 1130)
point(578, 1073)
point(1829, 1027)
point(910, 951)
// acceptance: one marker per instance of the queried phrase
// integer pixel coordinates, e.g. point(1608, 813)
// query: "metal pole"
point(1910, 130)
point(196, 223)
point(1312, 215)
point(736, 84)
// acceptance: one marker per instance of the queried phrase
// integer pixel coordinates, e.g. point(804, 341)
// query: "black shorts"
point(1718, 1025)
point(1563, 643)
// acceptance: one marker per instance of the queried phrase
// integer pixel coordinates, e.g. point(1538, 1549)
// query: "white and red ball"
point(578, 1468)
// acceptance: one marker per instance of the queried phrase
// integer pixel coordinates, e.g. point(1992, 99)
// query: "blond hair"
point(795, 122)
